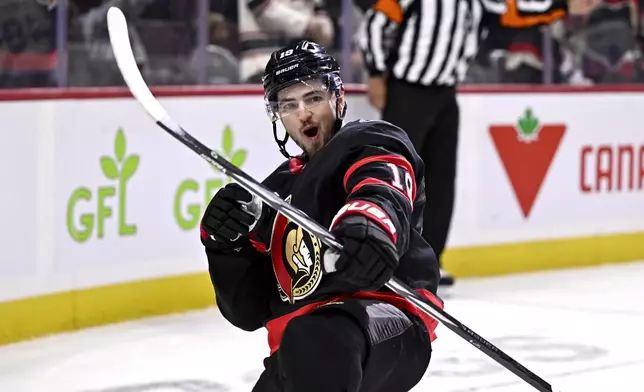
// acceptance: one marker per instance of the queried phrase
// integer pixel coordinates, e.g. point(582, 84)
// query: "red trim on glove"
point(369, 210)
point(259, 246)
point(202, 232)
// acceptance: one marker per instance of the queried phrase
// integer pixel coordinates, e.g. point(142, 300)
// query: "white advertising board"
point(19, 203)
point(547, 166)
point(95, 193)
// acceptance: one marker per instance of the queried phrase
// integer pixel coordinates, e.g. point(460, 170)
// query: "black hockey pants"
point(356, 345)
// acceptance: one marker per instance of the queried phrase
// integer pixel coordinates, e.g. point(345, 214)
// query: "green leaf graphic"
point(216, 184)
point(119, 145)
point(227, 142)
point(109, 167)
point(238, 158)
point(129, 167)
point(528, 124)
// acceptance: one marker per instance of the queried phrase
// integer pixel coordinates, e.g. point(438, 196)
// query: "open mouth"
point(310, 131)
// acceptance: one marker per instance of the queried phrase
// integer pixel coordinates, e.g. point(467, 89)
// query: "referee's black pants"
point(430, 115)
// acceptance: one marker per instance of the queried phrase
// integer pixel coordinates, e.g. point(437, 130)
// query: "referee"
point(416, 52)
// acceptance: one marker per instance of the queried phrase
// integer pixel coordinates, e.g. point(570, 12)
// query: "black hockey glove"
point(368, 258)
point(232, 213)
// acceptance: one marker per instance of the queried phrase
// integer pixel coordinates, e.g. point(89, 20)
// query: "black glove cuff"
point(372, 232)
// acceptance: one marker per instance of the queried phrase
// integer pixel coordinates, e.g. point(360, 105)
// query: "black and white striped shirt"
point(431, 42)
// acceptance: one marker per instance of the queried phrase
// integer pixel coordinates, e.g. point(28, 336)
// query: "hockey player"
point(332, 324)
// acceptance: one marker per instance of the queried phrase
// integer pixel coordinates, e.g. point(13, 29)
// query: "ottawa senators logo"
point(296, 258)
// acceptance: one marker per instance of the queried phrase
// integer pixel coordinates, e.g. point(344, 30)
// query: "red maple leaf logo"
point(526, 151)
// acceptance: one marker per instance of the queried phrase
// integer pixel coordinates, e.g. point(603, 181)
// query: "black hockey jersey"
point(369, 168)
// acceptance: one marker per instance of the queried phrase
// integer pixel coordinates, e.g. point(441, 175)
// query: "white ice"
point(580, 330)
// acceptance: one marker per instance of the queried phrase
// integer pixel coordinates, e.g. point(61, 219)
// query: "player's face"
point(307, 110)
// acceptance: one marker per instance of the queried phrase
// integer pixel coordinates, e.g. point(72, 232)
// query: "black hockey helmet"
point(298, 63)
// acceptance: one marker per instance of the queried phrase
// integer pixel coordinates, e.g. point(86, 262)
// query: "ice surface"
point(579, 329)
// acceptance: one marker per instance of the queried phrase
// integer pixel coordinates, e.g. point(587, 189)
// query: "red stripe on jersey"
point(376, 181)
point(395, 159)
point(369, 210)
point(276, 326)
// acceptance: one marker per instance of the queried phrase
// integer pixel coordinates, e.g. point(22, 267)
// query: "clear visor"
point(301, 95)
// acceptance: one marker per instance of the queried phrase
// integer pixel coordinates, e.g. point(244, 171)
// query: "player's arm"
point(280, 17)
point(376, 31)
point(239, 269)
point(374, 224)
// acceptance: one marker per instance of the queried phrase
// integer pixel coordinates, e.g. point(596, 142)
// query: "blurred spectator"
point(222, 67)
point(349, 23)
point(267, 25)
point(603, 41)
point(27, 43)
point(517, 55)
point(91, 60)
point(227, 8)
point(600, 42)
point(525, 59)
point(223, 32)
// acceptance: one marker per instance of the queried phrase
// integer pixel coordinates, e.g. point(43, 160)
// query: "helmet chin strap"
point(339, 119)
point(282, 143)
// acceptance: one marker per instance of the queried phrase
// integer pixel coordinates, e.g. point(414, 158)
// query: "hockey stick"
point(120, 42)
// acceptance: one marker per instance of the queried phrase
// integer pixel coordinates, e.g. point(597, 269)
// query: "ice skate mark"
point(178, 386)
point(566, 307)
point(554, 375)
